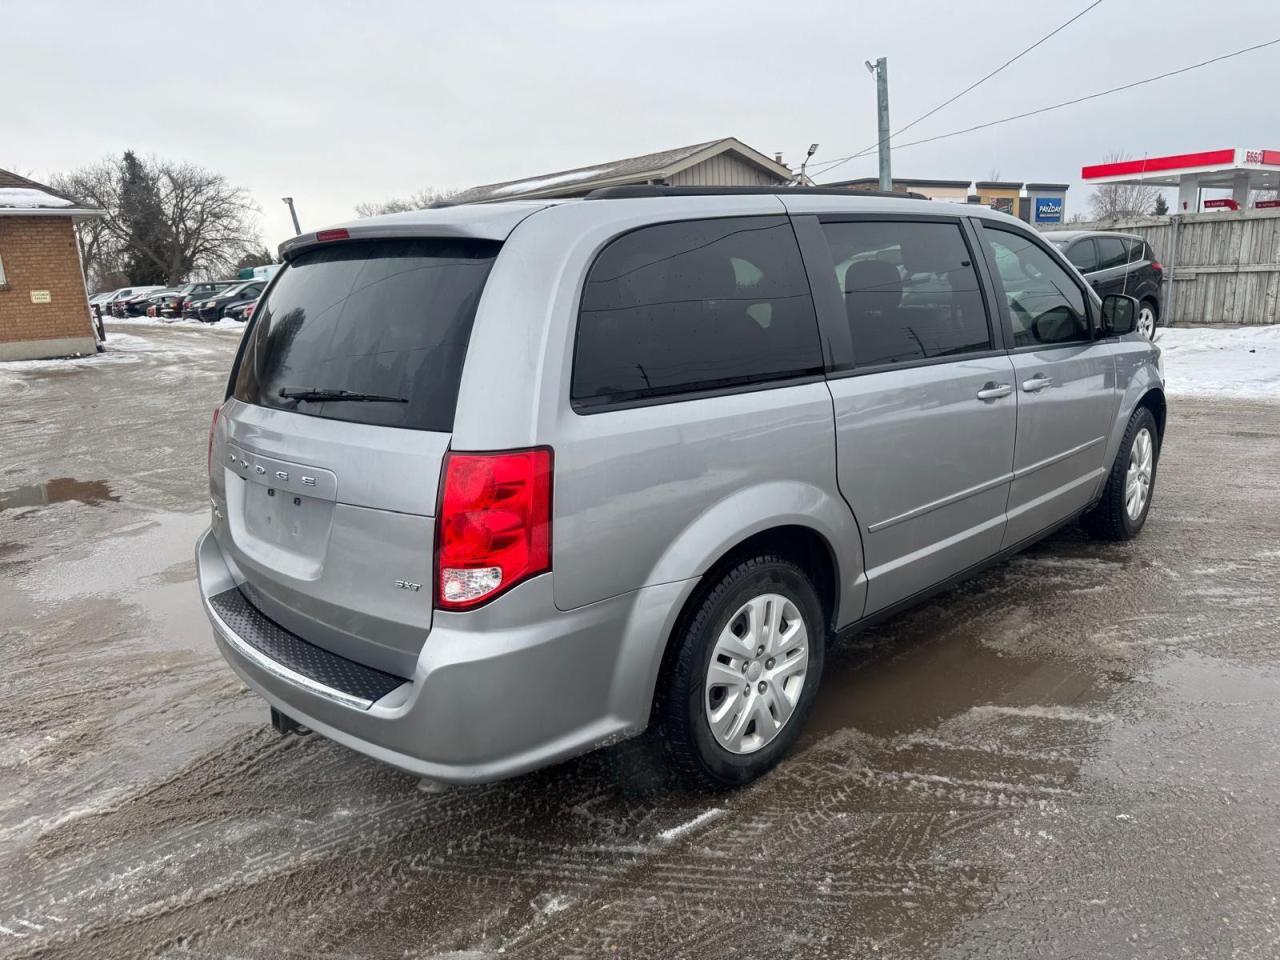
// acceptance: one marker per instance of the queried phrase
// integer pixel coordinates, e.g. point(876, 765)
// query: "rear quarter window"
point(692, 306)
point(390, 318)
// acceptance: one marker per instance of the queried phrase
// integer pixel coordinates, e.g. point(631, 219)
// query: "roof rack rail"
point(634, 190)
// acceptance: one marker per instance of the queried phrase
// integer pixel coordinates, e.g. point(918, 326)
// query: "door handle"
point(994, 391)
point(1036, 383)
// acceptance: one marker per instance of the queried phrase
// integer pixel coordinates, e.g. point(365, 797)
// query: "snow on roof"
point(29, 197)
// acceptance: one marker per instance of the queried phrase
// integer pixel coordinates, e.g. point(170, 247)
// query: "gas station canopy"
point(1236, 169)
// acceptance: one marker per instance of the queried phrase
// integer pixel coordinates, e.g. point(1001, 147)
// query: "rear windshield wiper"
point(314, 393)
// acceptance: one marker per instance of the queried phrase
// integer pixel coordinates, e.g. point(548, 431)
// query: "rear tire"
point(1126, 499)
point(742, 676)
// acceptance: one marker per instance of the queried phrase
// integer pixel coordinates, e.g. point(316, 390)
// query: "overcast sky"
point(336, 103)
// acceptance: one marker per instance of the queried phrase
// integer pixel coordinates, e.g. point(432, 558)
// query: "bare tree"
point(212, 223)
point(415, 201)
point(1114, 200)
point(197, 223)
point(101, 249)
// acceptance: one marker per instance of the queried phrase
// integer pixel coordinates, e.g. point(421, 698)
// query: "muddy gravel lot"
point(1076, 754)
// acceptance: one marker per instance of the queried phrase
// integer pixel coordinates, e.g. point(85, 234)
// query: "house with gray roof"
point(724, 162)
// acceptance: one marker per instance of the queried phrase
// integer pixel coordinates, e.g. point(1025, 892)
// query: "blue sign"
point(1048, 210)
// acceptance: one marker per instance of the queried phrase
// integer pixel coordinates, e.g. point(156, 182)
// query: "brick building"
point(44, 309)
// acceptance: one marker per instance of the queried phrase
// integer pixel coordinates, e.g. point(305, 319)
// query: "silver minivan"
point(493, 485)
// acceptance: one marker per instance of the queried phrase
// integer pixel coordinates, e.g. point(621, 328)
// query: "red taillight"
point(332, 235)
point(213, 425)
point(1155, 265)
point(493, 526)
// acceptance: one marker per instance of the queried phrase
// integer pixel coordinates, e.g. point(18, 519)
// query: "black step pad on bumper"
point(291, 651)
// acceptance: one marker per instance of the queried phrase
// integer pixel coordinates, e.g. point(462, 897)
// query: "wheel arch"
point(1154, 400)
point(798, 542)
point(1146, 389)
point(1152, 297)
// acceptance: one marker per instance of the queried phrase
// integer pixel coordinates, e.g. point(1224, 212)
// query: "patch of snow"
point(553, 904)
point(679, 831)
point(524, 186)
point(1224, 362)
point(129, 348)
point(65, 363)
point(29, 197)
point(224, 323)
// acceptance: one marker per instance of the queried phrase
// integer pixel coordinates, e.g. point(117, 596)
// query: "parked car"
point(200, 292)
point(134, 304)
point(1117, 263)
point(107, 305)
point(240, 311)
point(210, 310)
point(158, 304)
point(665, 443)
point(149, 305)
point(169, 303)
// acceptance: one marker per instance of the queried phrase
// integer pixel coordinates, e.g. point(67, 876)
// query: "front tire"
point(746, 667)
point(1126, 499)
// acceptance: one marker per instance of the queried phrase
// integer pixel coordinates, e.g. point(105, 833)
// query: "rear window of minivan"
point(382, 318)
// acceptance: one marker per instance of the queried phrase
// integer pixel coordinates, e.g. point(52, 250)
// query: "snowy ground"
point(1215, 361)
point(161, 322)
point(191, 339)
point(1075, 754)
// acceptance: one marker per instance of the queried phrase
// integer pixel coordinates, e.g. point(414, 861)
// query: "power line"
point(1091, 96)
point(924, 116)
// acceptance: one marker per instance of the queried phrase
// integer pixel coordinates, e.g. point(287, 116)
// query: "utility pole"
point(881, 69)
point(297, 230)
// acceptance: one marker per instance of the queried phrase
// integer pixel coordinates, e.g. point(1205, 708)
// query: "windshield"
point(386, 318)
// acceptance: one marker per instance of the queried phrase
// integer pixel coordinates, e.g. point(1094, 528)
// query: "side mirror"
point(1119, 314)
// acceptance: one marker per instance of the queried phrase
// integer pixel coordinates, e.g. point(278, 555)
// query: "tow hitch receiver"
point(286, 725)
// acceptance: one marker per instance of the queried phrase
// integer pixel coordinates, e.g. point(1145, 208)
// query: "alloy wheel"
point(1146, 321)
point(1137, 484)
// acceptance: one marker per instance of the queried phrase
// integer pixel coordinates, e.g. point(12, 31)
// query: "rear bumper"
point(496, 692)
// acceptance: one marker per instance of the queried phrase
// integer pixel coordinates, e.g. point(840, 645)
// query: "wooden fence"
point(1218, 267)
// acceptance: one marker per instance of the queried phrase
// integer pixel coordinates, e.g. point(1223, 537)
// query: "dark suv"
point(211, 310)
point(1117, 263)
